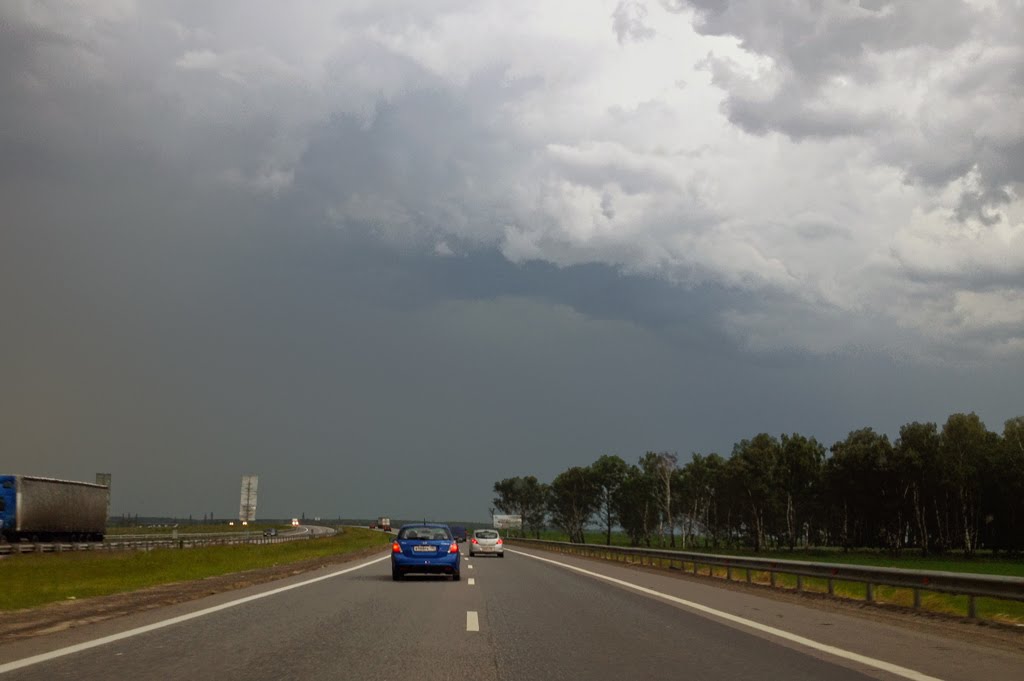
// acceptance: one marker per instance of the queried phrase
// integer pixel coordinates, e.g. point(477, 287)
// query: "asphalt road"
point(520, 617)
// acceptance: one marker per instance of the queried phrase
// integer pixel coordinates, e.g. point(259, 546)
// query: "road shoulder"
point(57, 617)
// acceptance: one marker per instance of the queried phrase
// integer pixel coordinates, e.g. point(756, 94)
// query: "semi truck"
point(46, 509)
point(384, 523)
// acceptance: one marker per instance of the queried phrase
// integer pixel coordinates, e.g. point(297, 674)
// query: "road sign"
point(247, 507)
point(508, 522)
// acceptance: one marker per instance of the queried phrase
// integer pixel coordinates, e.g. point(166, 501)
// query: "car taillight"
point(500, 542)
point(395, 548)
point(454, 548)
point(475, 541)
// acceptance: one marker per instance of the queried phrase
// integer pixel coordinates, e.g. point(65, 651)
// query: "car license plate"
point(424, 549)
point(488, 549)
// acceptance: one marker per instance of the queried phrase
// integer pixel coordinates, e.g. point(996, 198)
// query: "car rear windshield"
point(486, 534)
point(428, 533)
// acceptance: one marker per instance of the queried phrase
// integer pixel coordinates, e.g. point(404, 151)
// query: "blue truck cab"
point(8, 503)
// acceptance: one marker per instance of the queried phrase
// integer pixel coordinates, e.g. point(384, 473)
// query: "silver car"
point(486, 542)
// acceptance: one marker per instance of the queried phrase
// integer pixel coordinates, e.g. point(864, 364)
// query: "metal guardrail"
point(958, 583)
point(141, 543)
point(156, 536)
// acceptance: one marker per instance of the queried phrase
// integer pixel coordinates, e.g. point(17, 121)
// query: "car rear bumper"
point(437, 565)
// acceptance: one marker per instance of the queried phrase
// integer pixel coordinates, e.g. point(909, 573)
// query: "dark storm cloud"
point(179, 346)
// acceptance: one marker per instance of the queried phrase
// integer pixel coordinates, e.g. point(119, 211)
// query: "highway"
point(531, 615)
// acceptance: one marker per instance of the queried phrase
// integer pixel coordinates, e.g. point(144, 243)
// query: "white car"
point(487, 542)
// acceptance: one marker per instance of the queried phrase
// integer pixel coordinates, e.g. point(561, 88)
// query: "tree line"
point(955, 488)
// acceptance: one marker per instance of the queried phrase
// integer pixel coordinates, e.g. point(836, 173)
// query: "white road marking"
point(472, 581)
point(470, 567)
point(779, 633)
point(61, 652)
point(472, 621)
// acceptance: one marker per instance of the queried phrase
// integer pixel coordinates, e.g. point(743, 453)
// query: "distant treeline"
point(958, 487)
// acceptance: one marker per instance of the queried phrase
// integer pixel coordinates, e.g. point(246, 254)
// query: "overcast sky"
point(383, 254)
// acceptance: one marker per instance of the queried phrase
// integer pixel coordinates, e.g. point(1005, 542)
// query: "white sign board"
point(508, 522)
point(247, 506)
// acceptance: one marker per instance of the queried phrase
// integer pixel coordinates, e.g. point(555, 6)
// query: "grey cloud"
point(608, 206)
point(382, 143)
point(819, 39)
point(812, 43)
point(976, 205)
point(598, 167)
point(791, 111)
point(424, 164)
point(628, 22)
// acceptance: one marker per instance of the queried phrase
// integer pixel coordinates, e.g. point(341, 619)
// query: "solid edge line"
point(61, 652)
point(472, 621)
point(779, 633)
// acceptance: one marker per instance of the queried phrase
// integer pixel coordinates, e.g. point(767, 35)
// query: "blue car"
point(425, 549)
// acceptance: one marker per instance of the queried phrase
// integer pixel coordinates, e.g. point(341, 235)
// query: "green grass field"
point(1011, 612)
point(30, 580)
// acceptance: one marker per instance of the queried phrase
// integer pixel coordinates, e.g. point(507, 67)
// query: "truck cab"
point(8, 504)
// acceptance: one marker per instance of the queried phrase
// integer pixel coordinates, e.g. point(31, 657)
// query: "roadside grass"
point(1011, 612)
point(982, 563)
point(32, 579)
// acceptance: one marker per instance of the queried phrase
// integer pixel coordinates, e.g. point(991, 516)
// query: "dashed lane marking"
point(472, 621)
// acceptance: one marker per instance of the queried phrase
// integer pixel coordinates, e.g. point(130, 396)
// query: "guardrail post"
point(869, 594)
point(799, 582)
point(728, 573)
point(748, 575)
point(917, 599)
point(771, 577)
point(972, 608)
point(831, 587)
point(695, 567)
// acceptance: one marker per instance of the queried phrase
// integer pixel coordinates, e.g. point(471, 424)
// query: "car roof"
point(423, 525)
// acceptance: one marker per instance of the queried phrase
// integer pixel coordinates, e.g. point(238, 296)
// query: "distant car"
point(425, 549)
point(270, 532)
point(459, 533)
point(487, 542)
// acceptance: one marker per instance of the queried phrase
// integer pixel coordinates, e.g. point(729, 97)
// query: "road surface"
point(530, 615)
